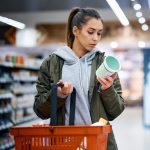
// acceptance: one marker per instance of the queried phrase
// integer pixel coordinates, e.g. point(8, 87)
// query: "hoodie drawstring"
point(80, 75)
point(87, 74)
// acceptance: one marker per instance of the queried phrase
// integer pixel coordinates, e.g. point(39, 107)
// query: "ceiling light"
point(114, 44)
point(138, 14)
point(141, 44)
point(118, 12)
point(137, 6)
point(12, 22)
point(145, 27)
point(141, 20)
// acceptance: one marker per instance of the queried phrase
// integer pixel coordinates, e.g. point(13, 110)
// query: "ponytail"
point(70, 36)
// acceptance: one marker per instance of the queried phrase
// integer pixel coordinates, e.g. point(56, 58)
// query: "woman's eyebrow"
point(95, 29)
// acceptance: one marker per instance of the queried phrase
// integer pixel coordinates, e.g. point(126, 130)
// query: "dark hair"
point(78, 17)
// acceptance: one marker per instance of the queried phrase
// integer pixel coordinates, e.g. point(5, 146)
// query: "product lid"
point(112, 64)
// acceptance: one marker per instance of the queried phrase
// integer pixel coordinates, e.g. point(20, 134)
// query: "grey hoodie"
point(77, 71)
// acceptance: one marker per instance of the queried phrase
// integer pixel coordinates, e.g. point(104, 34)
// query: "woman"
point(75, 65)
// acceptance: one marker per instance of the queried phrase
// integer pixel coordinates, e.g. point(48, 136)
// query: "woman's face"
point(89, 35)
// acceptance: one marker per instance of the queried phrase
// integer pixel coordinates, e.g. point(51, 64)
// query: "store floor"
point(129, 130)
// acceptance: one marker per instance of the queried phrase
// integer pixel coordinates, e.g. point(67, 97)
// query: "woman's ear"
point(75, 31)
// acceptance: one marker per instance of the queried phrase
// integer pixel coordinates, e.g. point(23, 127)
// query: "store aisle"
point(130, 132)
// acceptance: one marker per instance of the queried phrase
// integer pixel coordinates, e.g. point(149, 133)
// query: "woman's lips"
point(92, 44)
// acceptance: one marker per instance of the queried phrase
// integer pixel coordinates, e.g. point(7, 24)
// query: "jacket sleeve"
point(112, 100)
point(42, 98)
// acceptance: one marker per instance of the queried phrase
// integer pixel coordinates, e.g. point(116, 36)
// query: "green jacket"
point(107, 104)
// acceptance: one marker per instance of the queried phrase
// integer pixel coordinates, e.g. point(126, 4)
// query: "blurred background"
point(30, 30)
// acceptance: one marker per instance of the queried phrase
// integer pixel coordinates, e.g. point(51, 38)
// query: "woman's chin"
point(90, 48)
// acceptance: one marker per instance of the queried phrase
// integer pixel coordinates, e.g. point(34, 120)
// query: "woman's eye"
point(90, 32)
point(99, 34)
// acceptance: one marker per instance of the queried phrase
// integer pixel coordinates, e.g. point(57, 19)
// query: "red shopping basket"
point(45, 137)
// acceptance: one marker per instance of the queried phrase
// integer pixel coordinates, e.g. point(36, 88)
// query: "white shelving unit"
point(17, 91)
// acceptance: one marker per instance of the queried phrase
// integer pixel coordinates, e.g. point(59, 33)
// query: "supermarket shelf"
point(136, 102)
point(5, 126)
point(25, 79)
point(25, 119)
point(23, 93)
point(6, 109)
point(6, 96)
point(7, 144)
point(21, 79)
point(17, 79)
point(5, 81)
point(21, 106)
point(11, 65)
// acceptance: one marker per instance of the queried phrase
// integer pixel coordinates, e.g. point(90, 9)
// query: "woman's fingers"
point(101, 81)
point(66, 89)
point(70, 88)
point(107, 81)
point(114, 75)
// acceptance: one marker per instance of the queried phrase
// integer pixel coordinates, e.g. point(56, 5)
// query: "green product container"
point(108, 67)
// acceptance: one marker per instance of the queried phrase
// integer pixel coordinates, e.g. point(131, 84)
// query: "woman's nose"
point(95, 37)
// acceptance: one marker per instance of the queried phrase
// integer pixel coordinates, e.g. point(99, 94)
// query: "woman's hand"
point(107, 81)
point(66, 89)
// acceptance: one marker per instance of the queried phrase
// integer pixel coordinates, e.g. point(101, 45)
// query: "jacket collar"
point(95, 64)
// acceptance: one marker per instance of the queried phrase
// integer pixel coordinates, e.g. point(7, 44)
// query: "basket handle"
point(53, 107)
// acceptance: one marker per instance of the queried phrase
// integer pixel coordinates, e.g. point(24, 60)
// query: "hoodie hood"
point(71, 58)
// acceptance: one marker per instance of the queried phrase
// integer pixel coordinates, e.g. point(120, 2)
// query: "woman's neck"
point(79, 50)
